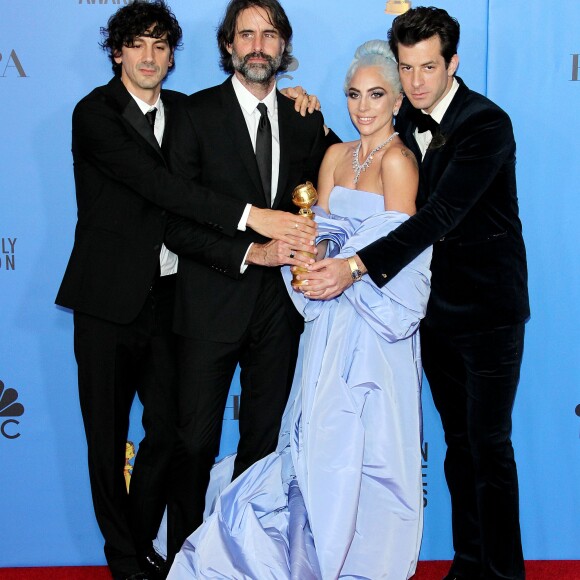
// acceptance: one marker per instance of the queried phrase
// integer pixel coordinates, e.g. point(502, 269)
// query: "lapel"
point(455, 107)
point(286, 115)
point(448, 121)
point(236, 126)
point(131, 112)
point(168, 111)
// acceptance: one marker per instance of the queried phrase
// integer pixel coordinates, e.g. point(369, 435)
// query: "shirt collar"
point(145, 107)
point(249, 102)
point(441, 108)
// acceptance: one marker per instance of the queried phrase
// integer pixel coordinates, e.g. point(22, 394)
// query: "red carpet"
point(535, 570)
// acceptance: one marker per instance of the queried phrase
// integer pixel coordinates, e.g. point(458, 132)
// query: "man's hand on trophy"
point(277, 253)
point(283, 226)
point(326, 279)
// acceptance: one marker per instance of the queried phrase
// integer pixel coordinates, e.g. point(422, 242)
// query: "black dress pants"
point(115, 361)
point(267, 355)
point(473, 379)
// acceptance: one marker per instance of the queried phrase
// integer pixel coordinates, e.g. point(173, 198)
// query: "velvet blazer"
point(468, 210)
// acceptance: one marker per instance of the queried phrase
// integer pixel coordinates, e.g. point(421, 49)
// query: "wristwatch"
point(354, 269)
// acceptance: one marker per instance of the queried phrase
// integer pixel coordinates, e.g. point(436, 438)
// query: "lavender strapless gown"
point(342, 495)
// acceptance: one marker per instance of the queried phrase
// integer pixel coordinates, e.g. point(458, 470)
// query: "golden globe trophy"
point(304, 196)
point(397, 6)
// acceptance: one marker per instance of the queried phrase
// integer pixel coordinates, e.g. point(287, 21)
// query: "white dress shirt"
point(167, 259)
point(249, 105)
point(424, 139)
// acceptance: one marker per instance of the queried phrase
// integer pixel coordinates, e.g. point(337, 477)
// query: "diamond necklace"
point(357, 167)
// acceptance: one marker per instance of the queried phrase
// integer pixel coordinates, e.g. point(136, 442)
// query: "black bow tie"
point(425, 122)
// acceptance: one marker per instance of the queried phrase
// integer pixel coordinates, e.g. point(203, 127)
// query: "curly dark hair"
point(227, 30)
point(139, 18)
point(422, 23)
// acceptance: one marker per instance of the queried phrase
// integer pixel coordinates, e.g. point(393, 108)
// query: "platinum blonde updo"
point(375, 53)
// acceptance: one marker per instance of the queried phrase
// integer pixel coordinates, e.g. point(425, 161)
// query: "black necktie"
point(425, 122)
point(264, 151)
point(150, 115)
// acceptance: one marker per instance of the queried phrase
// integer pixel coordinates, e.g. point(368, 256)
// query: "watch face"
point(354, 270)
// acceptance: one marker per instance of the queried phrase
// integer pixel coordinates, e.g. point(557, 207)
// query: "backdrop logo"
point(7, 254)
point(105, 2)
point(424, 466)
point(130, 454)
point(9, 408)
point(292, 66)
point(578, 412)
point(232, 411)
point(10, 65)
point(575, 67)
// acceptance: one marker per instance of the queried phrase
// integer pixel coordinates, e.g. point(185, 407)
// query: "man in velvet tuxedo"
point(473, 334)
point(231, 304)
point(120, 280)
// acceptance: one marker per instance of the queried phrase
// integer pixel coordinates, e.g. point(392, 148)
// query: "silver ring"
point(291, 254)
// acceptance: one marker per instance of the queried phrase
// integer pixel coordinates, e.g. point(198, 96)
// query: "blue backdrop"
point(522, 54)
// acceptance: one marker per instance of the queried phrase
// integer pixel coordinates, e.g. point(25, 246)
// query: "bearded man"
point(242, 139)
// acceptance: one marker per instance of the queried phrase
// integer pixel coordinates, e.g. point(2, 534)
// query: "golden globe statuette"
point(397, 6)
point(304, 196)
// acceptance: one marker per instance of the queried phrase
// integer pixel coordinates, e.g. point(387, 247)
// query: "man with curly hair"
point(120, 280)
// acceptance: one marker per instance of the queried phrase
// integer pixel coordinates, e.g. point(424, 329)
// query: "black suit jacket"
point(124, 191)
point(212, 146)
point(468, 210)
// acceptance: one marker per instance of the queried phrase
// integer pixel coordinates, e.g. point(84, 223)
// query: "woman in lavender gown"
point(342, 495)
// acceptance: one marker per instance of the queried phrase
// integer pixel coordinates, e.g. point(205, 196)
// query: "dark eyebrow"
point(401, 63)
point(368, 90)
point(157, 39)
point(274, 30)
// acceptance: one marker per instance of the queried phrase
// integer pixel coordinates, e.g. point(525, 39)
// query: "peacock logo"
point(9, 408)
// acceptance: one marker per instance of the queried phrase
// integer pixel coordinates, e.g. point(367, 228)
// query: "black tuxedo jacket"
point(212, 146)
point(124, 192)
point(468, 211)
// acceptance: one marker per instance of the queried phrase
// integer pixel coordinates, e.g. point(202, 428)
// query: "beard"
point(261, 73)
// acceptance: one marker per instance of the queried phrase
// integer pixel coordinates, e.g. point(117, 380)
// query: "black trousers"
point(473, 379)
point(267, 357)
point(115, 361)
